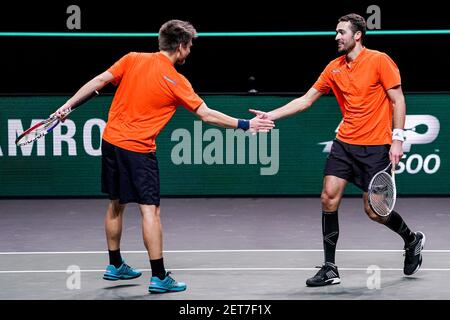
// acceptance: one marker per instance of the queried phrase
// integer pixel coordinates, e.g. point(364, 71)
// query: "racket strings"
point(38, 131)
point(381, 193)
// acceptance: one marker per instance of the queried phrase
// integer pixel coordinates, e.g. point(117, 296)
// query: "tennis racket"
point(382, 191)
point(46, 126)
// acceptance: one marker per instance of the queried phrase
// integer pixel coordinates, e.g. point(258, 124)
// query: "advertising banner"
point(197, 159)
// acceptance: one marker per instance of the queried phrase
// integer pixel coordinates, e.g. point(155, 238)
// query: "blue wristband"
point(243, 124)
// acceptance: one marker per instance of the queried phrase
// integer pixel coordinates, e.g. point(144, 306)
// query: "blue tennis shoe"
point(124, 272)
point(168, 284)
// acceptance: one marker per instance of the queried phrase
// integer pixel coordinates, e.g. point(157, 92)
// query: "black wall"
point(279, 64)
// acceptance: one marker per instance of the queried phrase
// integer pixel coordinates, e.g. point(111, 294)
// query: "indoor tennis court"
point(250, 248)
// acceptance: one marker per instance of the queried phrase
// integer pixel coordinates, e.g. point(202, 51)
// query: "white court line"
point(216, 269)
point(214, 251)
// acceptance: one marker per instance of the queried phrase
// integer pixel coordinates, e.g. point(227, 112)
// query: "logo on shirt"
point(336, 70)
point(170, 80)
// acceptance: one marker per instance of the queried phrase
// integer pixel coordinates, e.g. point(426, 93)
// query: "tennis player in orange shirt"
point(367, 86)
point(149, 91)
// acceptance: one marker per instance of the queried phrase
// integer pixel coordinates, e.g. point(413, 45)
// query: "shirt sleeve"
point(119, 67)
point(323, 82)
point(388, 72)
point(186, 95)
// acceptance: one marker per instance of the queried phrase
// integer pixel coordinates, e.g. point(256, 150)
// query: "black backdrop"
point(279, 64)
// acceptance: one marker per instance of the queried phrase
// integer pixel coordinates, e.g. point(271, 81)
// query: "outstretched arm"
point(293, 107)
point(220, 119)
point(94, 84)
point(398, 101)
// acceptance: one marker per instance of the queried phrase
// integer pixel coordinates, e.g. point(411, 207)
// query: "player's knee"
point(329, 202)
point(150, 211)
point(116, 208)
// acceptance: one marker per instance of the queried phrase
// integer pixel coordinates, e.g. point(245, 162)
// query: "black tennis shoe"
point(413, 254)
point(328, 274)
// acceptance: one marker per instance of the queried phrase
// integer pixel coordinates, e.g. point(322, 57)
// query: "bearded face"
point(345, 37)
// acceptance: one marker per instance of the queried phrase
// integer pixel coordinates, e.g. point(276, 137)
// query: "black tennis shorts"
point(130, 176)
point(355, 163)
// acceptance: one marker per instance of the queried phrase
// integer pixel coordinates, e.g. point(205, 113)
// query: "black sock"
point(395, 223)
point(330, 232)
point(115, 258)
point(158, 268)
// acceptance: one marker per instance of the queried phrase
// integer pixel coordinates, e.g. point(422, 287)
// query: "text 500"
point(415, 163)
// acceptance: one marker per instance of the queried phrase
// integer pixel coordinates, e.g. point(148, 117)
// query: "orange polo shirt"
point(360, 89)
point(150, 89)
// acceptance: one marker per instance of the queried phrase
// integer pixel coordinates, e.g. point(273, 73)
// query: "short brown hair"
point(175, 32)
point(357, 23)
